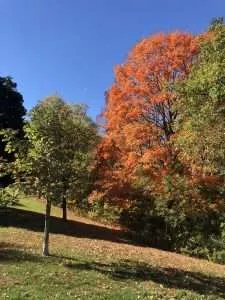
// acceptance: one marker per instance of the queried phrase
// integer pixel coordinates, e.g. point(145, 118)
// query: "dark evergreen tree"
point(12, 114)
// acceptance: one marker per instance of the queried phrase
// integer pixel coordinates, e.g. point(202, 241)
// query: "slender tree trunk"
point(39, 195)
point(45, 249)
point(64, 209)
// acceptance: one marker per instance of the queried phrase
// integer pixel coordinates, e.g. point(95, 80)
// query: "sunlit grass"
point(86, 267)
point(35, 205)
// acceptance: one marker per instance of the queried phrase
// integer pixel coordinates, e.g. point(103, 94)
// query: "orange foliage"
point(138, 115)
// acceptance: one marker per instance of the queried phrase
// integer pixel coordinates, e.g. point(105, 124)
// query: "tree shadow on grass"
point(125, 270)
point(35, 221)
point(11, 253)
point(168, 277)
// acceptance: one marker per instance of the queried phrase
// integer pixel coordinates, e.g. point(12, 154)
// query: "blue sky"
point(70, 47)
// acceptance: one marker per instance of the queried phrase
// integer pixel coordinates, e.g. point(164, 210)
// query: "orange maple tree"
point(139, 113)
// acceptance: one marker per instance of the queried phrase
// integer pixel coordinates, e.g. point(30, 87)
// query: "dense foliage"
point(202, 121)
point(12, 113)
point(161, 159)
point(12, 110)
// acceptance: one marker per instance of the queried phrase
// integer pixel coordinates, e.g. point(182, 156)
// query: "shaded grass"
point(30, 276)
point(30, 220)
point(89, 261)
point(169, 277)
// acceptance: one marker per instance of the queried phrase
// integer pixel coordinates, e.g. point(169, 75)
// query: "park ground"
point(93, 261)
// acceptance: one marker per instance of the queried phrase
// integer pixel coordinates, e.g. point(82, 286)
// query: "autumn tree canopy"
point(139, 110)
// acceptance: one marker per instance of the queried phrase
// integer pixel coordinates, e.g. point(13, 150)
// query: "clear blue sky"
point(70, 47)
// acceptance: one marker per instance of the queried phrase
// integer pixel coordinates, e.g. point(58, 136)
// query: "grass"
point(92, 261)
point(36, 206)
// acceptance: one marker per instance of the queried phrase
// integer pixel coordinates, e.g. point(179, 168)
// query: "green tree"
point(8, 195)
point(59, 141)
point(201, 125)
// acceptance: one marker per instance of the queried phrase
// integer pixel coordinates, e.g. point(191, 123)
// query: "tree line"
point(158, 167)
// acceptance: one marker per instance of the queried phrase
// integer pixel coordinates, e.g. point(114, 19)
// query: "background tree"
point(201, 123)
point(12, 114)
point(8, 195)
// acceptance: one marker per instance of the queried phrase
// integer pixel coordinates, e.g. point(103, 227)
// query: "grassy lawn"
point(36, 206)
point(92, 261)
